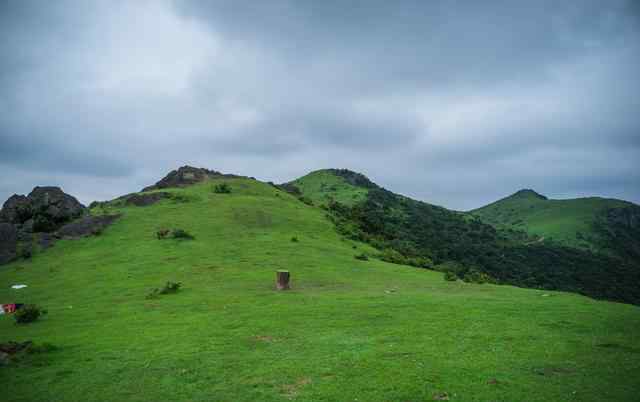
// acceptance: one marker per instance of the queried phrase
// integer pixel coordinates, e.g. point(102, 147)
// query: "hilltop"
point(595, 224)
point(350, 328)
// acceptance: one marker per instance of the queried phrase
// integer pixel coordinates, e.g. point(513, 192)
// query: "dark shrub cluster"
point(222, 188)
point(162, 234)
point(450, 276)
point(416, 229)
point(294, 239)
point(168, 288)
point(28, 313)
point(361, 257)
point(182, 234)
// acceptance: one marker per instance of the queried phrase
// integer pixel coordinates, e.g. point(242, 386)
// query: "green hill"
point(341, 185)
point(567, 221)
point(347, 330)
point(418, 233)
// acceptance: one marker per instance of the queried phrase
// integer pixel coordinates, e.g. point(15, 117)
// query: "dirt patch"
point(291, 391)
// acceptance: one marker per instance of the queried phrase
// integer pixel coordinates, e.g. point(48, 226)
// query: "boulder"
point(17, 209)
point(87, 226)
point(55, 204)
point(8, 242)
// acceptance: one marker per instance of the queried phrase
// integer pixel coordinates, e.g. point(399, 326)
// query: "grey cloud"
point(457, 103)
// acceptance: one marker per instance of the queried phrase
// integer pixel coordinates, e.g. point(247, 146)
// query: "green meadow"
point(348, 330)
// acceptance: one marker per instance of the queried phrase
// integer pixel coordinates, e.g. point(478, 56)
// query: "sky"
point(457, 103)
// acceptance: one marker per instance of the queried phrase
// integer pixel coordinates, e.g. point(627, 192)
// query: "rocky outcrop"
point(87, 226)
point(187, 175)
point(55, 203)
point(35, 217)
point(143, 200)
point(8, 242)
point(44, 209)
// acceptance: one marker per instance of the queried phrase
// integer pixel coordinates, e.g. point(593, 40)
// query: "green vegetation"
point(419, 234)
point(346, 331)
point(567, 222)
point(222, 188)
point(28, 313)
point(323, 186)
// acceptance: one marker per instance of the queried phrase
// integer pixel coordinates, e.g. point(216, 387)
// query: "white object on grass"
point(18, 286)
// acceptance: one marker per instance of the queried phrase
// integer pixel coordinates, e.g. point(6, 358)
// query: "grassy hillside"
point(569, 222)
point(339, 185)
point(348, 330)
point(417, 233)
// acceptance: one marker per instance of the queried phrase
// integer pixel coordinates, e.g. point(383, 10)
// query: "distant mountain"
point(597, 224)
point(511, 241)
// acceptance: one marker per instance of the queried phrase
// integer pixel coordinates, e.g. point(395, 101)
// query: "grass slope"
point(349, 330)
point(569, 222)
point(322, 186)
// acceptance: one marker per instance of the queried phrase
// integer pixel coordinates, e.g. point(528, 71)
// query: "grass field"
point(559, 220)
point(348, 330)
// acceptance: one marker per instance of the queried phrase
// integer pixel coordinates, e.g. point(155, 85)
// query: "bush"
point(362, 257)
point(168, 288)
point(306, 200)
point(162, 234)
point(475, 276)
point(28, 313)
point(294, 239)
point(393, 256)
point(450, 276)
point(222, 188)
point(182, 234)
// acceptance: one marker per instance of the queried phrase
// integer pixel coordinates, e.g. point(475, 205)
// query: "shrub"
point(361, 257)
point(294, 239)
point(393, 256)
point(450, 276)
point(182, 234)
point(222, 188)
point(306, 200)
point(168, 288)
point(475, 276)
point(28, 313)
point(162, 234)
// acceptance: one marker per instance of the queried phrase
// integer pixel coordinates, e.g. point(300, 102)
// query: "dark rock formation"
point(87, 226)
point(143, 200)
point(44, 209)
point(36, 216)
point(17, 209)
point(187, 175)
point(55, 203)
point(8, 242)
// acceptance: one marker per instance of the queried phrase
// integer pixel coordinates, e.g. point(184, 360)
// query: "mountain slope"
point(347, 330)
point(569, 222)
point(418, 230)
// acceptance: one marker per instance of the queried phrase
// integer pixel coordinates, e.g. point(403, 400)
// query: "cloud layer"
point(455, 103)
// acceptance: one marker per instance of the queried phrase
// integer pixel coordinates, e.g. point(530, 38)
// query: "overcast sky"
point(457, 103)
